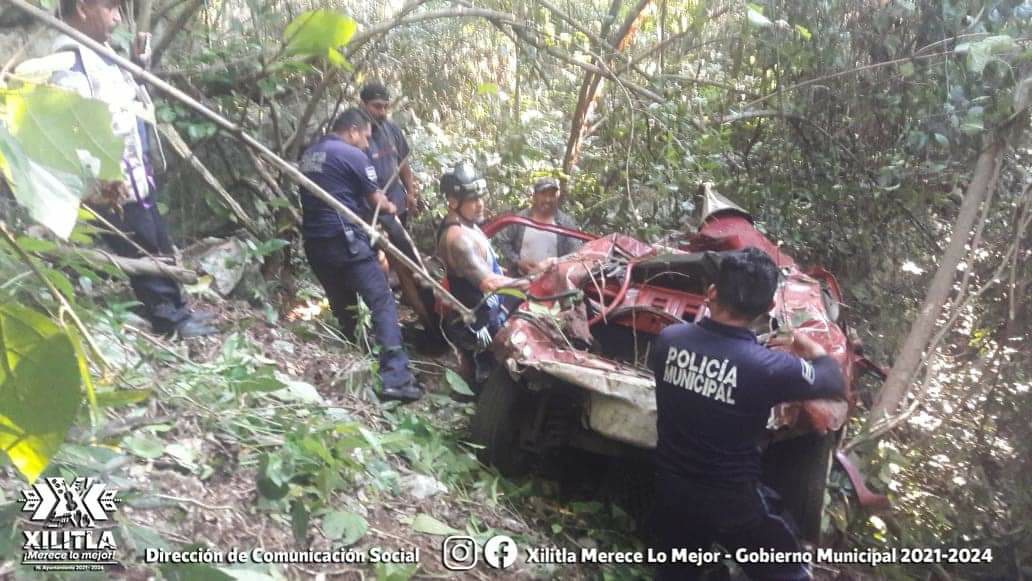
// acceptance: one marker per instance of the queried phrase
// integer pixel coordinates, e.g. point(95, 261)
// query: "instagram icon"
point(459, 553)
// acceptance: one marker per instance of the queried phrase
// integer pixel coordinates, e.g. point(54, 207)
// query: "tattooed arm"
point(464, 259)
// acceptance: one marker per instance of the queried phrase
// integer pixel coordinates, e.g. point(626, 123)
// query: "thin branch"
point(822, 78)
point(365, 36)
point(21, 51)
point(174, 29)
point(662, 45)
point(605, 72)
point(165, 10)
point(177, 143)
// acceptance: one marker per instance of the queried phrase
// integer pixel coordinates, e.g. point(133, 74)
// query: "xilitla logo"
point(56, 503)
point(69, 513)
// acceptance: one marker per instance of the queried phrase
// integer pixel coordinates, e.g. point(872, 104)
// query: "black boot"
point(192, 327)
point(406, 393)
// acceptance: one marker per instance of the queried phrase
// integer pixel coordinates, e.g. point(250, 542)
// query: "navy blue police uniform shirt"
point(344, 171)
point(387, 147)
point(715, 386)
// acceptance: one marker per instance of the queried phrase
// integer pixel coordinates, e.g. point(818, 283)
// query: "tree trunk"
point(898, 384)
point(593, 83)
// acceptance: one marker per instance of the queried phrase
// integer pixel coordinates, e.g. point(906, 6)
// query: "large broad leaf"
point(425, 523)
point(344, 525)
point(458, 384)
point(53, 145)
point(41, 374)
point(981, 53)
point(64, 131)
point(52, 200)
point(319, 33)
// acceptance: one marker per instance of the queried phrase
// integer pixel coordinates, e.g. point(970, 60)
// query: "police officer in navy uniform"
point(340, 252)
point(715, 386)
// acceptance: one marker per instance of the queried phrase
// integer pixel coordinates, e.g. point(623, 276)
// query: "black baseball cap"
point(545, 184)
point(374, 91)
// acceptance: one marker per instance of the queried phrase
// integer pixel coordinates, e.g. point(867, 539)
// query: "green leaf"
point(264, 379)
point(457, 384)
point(804, 32)
point(300, 391)
point(53, 144)
point(269, 246)
point(64, 131)
point(144, 446)
point(971, 128)
point(299, 519)
point(49, 200)
point(121, 397)
point(424, 523)
point(394, 571)
point(29, 244)
point(980, 53)
point(319, 33)
point(41, 378)
point(61, 283)
point(372, 439)
point(272, 477)
point(193, 572)
point(346, 526)
point(487, 89)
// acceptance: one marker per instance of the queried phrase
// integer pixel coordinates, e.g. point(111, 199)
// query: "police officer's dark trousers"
point(347, 268)
point(691, 514)
point(162, 300)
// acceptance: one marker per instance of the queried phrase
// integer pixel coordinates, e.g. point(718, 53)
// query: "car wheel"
point(496, 423)
point(798, 470)
point(630, 484)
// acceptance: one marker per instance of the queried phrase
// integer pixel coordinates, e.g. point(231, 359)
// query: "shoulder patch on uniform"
point(370, 173)
point(313, 162)
point(808, 373)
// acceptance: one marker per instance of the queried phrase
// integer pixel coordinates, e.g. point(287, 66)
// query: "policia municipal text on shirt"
point(715, 386)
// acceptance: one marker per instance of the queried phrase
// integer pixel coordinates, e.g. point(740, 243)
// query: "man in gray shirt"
point(526, 250)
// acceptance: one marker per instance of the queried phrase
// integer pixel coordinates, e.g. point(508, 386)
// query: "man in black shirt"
point(715, 386)
point(389, 154)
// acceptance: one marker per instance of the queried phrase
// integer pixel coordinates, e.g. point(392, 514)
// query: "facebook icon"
point(500, 551)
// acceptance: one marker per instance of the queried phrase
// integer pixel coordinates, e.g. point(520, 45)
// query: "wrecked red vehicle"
point(571, 360)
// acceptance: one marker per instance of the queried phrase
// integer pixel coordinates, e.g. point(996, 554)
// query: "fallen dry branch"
point(148, 266)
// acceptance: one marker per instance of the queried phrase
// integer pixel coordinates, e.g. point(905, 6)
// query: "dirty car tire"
point(496, 423)
point(798, 469)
